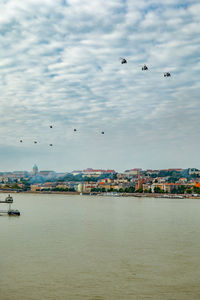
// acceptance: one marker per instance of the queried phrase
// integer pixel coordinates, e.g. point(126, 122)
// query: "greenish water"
point(95, 248)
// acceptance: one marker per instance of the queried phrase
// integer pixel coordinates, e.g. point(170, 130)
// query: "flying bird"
point(123, 60)
point(167, 74)
point(144, 68)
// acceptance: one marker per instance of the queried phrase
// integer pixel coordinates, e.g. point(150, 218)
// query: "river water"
point(96, 248)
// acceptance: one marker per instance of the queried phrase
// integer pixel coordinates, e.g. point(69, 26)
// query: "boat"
point(9, 199)
point(13, 212)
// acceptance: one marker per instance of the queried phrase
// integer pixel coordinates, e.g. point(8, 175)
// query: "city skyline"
point(60, 66)
point(172, 181)
point(35, 169)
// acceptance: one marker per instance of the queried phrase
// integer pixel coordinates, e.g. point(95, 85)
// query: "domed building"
point(35, 170)
point(80, 188)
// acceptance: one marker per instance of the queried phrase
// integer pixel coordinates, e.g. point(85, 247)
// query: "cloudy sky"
point(60, 65)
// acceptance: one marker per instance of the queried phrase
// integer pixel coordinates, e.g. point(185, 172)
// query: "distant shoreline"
point(31, 192)
point(136, 195)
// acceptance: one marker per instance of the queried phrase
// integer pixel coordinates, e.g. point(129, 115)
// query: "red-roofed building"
point(96, 172)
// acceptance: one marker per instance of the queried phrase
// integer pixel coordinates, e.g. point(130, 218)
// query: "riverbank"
point(139, 195)
point(38, 192)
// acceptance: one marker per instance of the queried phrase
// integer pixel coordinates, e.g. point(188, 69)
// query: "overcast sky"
point(60, 65)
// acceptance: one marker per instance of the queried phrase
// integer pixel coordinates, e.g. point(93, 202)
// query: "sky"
point(60, 66)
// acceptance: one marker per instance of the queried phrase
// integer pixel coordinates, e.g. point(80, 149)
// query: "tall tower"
point(35, 170)
point(139, 183)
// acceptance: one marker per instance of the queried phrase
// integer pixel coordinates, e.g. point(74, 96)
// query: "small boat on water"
point(13, 212)
point(9, 199)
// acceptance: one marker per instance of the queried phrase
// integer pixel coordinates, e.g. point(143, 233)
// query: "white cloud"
point(59, 64)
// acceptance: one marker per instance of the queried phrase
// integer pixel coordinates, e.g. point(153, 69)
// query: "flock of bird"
point(123, 61)
point(51, 126)
point(144, 68)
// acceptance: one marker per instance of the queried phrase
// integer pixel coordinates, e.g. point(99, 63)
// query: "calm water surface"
point(95, 248)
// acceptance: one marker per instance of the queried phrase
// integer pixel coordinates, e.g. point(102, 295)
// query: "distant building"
point(161, 179)
point(62, 186)
point(193, 171)
point(107, 180)
point(182, 180)
point(80, 188)
point(96, 172)
point(36, 187)
point(76, 172)
point(88, 186)
point(47, 173)
point(35, 170)
point(133, 172)
point(152, 172)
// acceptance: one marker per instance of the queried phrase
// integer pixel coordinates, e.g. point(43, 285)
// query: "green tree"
point(157, 189)
point(139, 191)
point(182, 189)
point(188, 191)
point(196, 190)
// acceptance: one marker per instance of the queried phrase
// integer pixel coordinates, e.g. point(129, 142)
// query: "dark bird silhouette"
point(123, 60)
point(144, 68)
point(167, 74)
